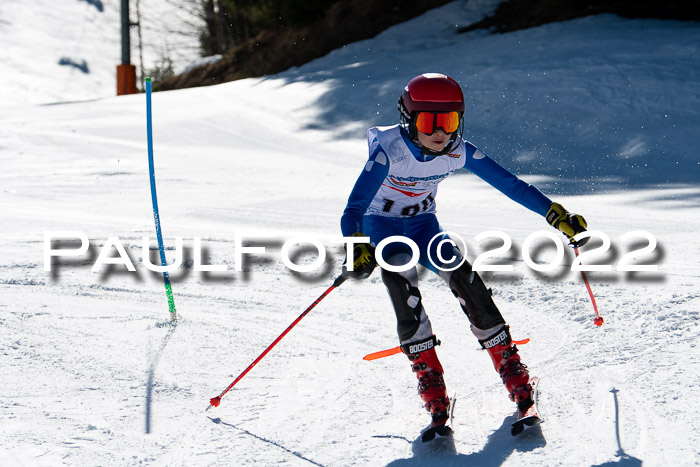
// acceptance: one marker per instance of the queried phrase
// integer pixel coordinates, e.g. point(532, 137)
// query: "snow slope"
point(69, 50)
point(600, 112)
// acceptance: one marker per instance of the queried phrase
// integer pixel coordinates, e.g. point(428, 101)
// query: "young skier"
point(395, 195)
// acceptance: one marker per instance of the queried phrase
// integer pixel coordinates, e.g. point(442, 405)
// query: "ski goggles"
point(429, 122)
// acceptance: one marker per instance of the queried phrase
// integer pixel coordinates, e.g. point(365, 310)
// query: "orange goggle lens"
point(428, 122)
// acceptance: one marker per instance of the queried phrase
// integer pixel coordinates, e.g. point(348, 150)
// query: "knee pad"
point(474, 298)
point(411, 320)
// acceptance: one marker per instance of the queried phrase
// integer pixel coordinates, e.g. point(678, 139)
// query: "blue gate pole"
point(154, 198)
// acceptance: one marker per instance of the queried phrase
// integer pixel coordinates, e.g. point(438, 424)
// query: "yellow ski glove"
point(567, 223)
point(363, 259)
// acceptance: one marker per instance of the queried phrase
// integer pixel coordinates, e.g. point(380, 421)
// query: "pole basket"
point(126, 79)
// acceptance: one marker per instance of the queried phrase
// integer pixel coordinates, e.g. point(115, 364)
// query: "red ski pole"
point(215, 401)
point(598, 320)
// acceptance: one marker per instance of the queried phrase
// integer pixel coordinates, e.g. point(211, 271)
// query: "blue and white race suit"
point(396, 192)
point(396, 195)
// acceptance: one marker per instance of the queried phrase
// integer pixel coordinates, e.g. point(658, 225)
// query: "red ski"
point(441, 431)
point(530, 417)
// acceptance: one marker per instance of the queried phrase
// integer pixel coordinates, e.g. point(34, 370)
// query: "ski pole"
point(154, 199)
point(598, 320)
point(215, 401)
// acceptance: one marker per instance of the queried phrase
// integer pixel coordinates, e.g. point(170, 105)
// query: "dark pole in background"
point(126, 42)
point(126, 72)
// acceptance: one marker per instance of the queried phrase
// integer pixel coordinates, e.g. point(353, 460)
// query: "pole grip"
point(339, 281)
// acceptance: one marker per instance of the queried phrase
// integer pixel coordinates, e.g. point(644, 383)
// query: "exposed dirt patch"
point(275, 51)
point(512, 15)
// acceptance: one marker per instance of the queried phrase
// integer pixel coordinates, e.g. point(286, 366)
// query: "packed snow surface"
point(601, 113)
point(69, 50)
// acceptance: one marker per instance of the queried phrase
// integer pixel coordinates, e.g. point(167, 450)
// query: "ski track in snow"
point(93, 373)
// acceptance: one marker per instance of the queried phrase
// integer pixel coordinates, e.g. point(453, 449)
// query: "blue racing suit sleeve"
point(367, 184)
point(495, 175)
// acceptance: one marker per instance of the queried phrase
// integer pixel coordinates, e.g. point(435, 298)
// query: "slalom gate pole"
point(154, 199)
point(215, 401)
point(598, 320)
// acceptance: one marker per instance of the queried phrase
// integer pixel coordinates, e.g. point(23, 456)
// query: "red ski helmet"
point(430, 92)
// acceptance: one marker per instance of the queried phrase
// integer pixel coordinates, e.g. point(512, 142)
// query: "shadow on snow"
point(499, 446)
point(576, 138)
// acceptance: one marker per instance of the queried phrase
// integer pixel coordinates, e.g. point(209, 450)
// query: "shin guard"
point(474, 297)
